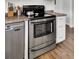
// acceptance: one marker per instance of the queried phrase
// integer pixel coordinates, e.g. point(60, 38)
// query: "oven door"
point(41, 31)
point(42, 37)
point(43, 28)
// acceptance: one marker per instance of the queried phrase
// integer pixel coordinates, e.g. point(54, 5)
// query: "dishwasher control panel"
point(14, 26)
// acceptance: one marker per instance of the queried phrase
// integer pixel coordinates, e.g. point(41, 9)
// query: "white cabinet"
point(60, 28)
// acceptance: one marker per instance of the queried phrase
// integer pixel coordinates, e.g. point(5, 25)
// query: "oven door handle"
point(38, 22)
point(54, 25)
point(41, 22)
point(33, 50)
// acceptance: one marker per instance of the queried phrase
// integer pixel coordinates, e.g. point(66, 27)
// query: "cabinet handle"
point(17, 29)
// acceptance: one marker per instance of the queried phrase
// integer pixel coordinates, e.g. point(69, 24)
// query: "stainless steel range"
point(41, 30)
point(42, 35)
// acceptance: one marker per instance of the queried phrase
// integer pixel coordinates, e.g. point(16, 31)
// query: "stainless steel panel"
point(41, 51)
point(44, 43)
point(8, 46)
point(49, 37)
point(33, 41)
point(14, 41)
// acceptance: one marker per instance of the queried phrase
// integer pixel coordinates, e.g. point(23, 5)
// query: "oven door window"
point(42, 29)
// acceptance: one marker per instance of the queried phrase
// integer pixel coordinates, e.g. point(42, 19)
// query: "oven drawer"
point(41, 46)
point(35, 42)
point(49, 37)
point(37, 51)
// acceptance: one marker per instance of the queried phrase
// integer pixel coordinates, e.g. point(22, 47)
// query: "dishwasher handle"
point(14, 27)
point(17, 29)
point(8, 28)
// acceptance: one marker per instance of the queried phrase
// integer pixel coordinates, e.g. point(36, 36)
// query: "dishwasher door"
point(14, 41)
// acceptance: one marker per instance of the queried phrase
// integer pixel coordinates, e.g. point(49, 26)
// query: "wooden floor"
point(63, 50)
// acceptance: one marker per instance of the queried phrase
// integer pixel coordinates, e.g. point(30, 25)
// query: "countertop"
point(57, 14)
point(24, 18)
point(15, 19)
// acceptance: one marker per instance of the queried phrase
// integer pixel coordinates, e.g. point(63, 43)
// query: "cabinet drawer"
point(60, 29)
point(60, 26)
point(60, 22)
point(60, 33)
point(60, 39)
point(61, 18)
point(61, 36)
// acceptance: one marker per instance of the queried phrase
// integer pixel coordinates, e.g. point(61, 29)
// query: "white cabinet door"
point(60, 31)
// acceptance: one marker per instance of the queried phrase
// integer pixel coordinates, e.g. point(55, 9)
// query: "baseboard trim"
point(70, 26)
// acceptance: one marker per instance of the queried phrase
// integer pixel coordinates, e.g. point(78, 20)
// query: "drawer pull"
point(17, 29)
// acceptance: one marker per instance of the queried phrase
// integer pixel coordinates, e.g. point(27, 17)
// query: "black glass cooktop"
point(41, 17)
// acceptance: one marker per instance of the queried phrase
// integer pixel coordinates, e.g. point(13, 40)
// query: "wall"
point(67, 7)
point(49, 4)
point(70, 12)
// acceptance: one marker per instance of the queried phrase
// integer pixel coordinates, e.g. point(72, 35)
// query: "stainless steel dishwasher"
point(14, 41)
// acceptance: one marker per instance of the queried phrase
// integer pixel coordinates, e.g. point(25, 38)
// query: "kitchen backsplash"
point(49, 4)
